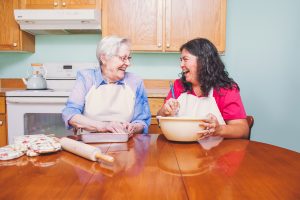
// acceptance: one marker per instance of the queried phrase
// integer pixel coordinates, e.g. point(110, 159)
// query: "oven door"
point(35, 115)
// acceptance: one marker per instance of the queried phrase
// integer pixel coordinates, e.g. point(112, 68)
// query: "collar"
point(99, 80)
point(210, 93)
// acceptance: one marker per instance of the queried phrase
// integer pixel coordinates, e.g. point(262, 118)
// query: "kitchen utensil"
point(182, 129)
point(10, 152)
point(84, 150)
point(36, 80)
point(105, 137)
point(94, 137)
point(172, 89)
point(35, 145)
point(173, 95)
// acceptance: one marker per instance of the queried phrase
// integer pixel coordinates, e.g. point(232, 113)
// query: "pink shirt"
point(228, 100)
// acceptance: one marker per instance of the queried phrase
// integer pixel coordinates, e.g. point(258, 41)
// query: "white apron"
point(110, 102)
point(192, 106)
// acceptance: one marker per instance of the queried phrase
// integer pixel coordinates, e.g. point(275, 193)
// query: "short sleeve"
point(230, 103)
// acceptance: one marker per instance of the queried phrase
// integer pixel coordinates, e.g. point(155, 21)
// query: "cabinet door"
point(79, 4)
point(155, 104)
point(40, 4)
point(140, 21)
point(2, 105)
point(188, 19)
point(3, 130)
point(11, 38)
point(9, 32)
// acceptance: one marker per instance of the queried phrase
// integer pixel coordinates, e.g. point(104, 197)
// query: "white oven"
point(39, 111)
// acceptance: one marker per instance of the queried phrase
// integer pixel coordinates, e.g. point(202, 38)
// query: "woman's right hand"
point(170, 108)
point(115, 127)
point(85, 123)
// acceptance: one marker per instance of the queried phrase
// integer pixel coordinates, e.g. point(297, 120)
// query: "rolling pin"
point(84, 150)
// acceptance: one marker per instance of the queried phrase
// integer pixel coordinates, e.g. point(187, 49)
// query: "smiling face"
point(189, 66)
point(114, 67)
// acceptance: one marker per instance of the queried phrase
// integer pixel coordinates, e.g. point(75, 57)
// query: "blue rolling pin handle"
point(172, 89)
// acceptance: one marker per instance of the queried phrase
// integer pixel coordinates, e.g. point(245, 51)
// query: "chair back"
point(250, 120)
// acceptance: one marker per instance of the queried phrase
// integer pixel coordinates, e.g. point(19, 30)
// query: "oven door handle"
point(37, 100)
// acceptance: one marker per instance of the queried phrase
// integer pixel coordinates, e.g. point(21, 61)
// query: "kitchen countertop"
point(152, 92)
point(4, 90)
point(155, 88)
point(159, 92)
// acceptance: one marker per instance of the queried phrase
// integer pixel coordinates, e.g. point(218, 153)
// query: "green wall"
point(262, 55)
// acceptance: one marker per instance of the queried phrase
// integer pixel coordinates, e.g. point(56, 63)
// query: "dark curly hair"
point(210, 68)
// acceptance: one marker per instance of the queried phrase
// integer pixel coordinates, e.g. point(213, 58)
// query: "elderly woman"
point(109, 99)
point(205, 90)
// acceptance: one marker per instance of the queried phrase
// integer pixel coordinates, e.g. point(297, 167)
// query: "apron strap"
point(211, 92)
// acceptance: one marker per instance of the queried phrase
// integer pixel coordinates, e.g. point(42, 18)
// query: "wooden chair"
point(250, 120)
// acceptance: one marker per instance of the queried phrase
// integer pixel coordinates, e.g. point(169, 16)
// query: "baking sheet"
point(105, 137)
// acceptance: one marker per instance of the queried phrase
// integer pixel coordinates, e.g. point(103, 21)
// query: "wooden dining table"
point(151, 167)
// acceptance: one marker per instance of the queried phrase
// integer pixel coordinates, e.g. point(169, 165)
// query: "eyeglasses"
point(124, 58)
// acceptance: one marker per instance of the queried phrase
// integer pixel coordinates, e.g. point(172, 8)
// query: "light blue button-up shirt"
point(87, 78)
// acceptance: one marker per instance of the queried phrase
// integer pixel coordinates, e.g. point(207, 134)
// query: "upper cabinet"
point(11, 37)
point(188, 19)
point(164, 25)
point(141, 21)
point(60, 4)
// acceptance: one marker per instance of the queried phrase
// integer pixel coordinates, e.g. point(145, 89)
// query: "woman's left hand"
point(210, 126)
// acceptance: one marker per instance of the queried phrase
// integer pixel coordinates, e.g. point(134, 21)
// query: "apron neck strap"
point(211, 91)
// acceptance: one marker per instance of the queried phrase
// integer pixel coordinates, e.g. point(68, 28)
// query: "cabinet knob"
point(15, 44)
point(1, 123)
point(64, 4)
point(55, 4)
point(159, 45)
point(168, 45)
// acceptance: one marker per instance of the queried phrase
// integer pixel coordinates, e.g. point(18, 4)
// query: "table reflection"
point(37, 161)
point(130, 159)
point(192, 160)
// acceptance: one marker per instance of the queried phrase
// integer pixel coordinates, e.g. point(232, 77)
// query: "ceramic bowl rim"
point(181, 118)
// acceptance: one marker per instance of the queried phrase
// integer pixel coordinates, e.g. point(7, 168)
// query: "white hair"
point(110, 46)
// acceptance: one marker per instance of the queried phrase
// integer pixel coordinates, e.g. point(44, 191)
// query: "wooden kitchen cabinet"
point(164, 25)
point(139, 20)
point(155, 104)
point(60, 4)
point(157, 90)
point(3, 126)
point(11, 37)
point(38, 4)
point(189, 19)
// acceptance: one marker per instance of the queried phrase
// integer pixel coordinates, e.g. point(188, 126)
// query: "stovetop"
point(60, 80)
point(38, 93)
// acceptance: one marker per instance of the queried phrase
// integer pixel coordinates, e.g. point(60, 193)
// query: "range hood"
point(58, 21)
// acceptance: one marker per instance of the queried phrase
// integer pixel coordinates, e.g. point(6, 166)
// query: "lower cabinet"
point(157, 90)
point(3, 126)
point(3, 130)
point(155, 104)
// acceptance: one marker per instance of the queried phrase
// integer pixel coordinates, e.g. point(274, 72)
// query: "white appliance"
point(39, 111)
point(58, 21)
